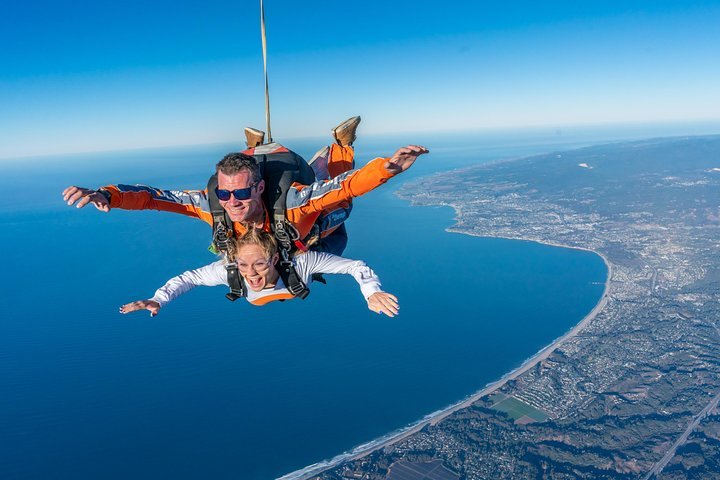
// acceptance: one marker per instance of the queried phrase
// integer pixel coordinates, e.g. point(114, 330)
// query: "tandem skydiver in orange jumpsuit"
point(239, 178)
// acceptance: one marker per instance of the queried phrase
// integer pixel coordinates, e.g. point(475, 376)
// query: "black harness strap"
point(289, 276)
point(286, 235)
point(222, 236)
point(237, 285)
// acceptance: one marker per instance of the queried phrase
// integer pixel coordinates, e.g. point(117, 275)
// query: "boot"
point(345, 132)
point(254, 137)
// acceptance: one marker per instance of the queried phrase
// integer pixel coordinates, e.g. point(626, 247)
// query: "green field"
point(516, 409)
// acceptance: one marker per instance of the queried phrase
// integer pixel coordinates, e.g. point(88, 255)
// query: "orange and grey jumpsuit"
point(305, 203)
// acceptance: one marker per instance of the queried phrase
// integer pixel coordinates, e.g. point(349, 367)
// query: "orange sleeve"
point(192, 203)
point(308, 199)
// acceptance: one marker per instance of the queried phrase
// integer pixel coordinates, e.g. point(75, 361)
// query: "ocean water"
point(214, 389)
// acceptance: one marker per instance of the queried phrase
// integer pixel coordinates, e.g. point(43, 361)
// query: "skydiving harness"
point(280, 168)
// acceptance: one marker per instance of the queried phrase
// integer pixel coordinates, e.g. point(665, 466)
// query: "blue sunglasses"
point(240, 193)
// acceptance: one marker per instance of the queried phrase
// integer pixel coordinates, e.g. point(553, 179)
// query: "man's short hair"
point(234, 163)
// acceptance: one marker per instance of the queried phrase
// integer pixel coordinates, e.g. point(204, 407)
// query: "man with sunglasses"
point(240, 188)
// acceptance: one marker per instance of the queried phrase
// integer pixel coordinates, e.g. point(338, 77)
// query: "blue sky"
point(86, 76)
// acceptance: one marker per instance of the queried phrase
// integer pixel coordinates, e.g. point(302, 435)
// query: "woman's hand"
point(151, 305)
point(383, 302)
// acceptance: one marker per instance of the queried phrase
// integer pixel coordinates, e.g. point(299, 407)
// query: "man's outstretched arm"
point(321, 195)
point(141, 197)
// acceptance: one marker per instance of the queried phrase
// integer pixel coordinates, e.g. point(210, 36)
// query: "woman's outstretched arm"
point(209, 276)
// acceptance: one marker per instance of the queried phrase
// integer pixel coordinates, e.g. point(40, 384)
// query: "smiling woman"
point(265, 278)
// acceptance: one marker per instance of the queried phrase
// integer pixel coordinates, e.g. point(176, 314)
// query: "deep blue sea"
point(214, 389)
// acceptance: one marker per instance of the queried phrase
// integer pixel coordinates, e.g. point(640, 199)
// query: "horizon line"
point(505, 128)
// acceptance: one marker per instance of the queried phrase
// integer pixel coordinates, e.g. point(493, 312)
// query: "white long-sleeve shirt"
point(305, 265)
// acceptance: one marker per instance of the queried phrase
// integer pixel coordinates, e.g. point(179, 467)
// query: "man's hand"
point(404, 158)
point(383, 302)
point(85, 196)
point(151, 305)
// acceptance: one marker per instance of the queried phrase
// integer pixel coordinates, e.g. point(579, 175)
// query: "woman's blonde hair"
point(254, 236)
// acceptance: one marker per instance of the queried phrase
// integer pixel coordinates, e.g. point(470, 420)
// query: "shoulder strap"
point(281, 168)
point(222, 235)
point(236, 283)
point(222, 225)
point(290, 277)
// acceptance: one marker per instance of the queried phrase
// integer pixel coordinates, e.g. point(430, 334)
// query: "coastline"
point(435, 417)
